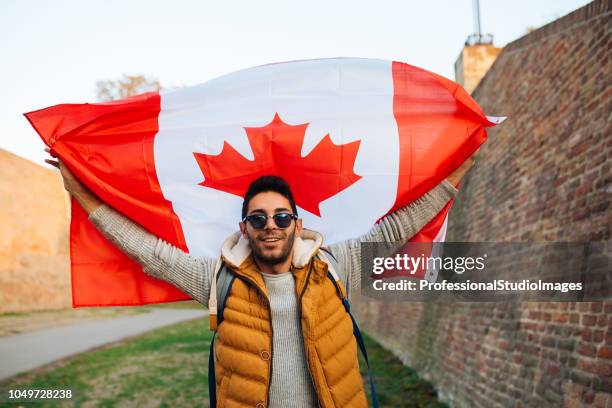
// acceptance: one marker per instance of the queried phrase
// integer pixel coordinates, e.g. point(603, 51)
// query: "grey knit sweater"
point(291, 385)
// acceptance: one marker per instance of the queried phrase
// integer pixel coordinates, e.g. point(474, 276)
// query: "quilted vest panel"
point(244, 349)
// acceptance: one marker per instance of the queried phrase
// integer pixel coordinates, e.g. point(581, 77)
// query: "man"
point(286, 339)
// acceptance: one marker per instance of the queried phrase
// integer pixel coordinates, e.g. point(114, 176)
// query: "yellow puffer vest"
point(244, 349)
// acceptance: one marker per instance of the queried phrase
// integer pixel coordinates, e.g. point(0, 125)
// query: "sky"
point(55, 51)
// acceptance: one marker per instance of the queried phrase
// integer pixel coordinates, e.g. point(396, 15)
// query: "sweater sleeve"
point(158, 258)
point(397, 227)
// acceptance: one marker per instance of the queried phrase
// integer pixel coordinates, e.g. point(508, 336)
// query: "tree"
point(125, 87)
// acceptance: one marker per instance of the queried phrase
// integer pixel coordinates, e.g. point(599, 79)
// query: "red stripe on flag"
point(425, 237)
point(439, 127)
point(438, 122)
point(109, 146)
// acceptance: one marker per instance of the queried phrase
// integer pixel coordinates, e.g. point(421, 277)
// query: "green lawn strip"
point(166, 367)
point(396, 384)
point(169, 368)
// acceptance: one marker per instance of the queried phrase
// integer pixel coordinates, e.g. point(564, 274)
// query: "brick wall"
point(544, 175)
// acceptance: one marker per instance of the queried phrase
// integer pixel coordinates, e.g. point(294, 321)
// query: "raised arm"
point(399, 226)
point(158, 258)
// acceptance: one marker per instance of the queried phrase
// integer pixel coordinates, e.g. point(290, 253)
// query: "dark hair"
point(268, 183)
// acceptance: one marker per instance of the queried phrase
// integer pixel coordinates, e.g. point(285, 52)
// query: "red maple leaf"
point(324, 172)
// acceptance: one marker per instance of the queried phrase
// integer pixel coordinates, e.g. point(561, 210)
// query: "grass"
point(166, 368)
point(396, 385)
point(169, 368)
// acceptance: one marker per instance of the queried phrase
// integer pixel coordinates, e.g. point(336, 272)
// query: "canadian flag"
point(355, 138)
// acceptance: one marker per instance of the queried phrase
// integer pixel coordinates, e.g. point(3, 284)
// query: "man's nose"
point(270, 224)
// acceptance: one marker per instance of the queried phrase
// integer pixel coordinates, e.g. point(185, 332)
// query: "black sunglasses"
point(259, 221)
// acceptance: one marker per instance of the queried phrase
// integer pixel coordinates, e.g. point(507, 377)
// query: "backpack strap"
point(356, 332)
point(219, 289)
point(212, 297)
point(212, 381)
point(339, 274)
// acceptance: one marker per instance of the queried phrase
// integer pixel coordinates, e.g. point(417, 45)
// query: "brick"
point(596, 307)
point(553, 369)
point(548, 341)
point(604, 368)
point(581, 378)
point(601, 400)
point(602, 384)
point(589, 320)
point(566, 344)
point(588, 366)
point(588, 350)
point(598, 336)
point(608, 337)
point(605, 352)
point(588, 397)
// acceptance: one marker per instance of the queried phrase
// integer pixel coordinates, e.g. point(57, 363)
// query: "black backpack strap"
point(358, 337)
point(212, 382)
point(221, 286)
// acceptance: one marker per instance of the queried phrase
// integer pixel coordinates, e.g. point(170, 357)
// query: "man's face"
point(271, 245)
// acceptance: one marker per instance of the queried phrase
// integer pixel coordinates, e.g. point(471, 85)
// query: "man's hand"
point(458, 174)
point(82, 194)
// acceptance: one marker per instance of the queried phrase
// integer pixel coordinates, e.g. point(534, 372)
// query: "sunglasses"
point(259, 221)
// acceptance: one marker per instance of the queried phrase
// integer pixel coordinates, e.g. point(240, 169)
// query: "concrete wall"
point(34, 222)
point(544, 175)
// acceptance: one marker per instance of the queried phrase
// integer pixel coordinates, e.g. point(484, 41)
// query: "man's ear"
point(298, 226)
point(242, 227)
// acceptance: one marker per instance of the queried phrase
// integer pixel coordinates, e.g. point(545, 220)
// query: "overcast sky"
point(55, 51)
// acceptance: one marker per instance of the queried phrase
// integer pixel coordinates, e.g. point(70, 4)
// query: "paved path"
point(26, 351)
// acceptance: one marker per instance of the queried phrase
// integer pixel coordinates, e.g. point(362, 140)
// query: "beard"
point(271, 259)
